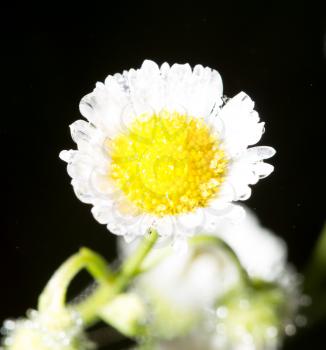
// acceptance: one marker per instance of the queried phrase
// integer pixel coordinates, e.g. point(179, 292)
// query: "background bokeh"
point(53, 57)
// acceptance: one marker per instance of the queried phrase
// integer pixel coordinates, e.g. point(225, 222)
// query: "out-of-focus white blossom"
point(182, 287)
point(260, 251)
point(204, 285)
point(36, 333)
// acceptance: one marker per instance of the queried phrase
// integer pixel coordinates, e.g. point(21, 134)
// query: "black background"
point(275, 53)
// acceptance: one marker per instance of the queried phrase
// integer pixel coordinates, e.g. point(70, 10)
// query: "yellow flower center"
point(167, 163)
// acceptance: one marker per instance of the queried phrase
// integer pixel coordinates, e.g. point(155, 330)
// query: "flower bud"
point(253, 318)
point(36, 333)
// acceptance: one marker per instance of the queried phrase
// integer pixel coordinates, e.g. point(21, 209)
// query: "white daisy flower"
point(162, 148)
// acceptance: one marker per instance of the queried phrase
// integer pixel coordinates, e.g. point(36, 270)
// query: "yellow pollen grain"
point(167, 164)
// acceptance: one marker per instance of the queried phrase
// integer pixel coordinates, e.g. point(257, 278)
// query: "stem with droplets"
point(105, 292)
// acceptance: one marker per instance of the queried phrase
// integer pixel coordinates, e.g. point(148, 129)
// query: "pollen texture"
point(167, 164)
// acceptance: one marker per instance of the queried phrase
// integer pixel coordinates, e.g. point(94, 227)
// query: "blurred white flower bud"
point(36, 333)
point(199, 299)
point(180, 288)
point(260, 251)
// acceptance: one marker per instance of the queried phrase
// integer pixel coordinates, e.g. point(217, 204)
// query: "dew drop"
point(301, 321)
point(9, 325)
point(222, 312)
point(271, 332)
point(290, 330)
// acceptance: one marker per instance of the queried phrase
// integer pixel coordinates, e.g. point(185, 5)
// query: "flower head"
point(38, 332)
point(162, 148)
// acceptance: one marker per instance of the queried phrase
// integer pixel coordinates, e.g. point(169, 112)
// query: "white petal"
point(195, 93)
point(86, 136)
point(238, 124)
point(104, 106)
point(190, 223)
point(147, 88)
point(81, 131)
point(258, 153)
point(262, 169)
point(81, 167)
point(165, 226)
point(239, 177)
point(67, 156)
point(102, 213)
point(82, 192)
point(217, 214)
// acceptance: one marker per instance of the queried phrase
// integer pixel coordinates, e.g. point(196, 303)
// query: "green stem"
point(104, 293)
point(214, 240)
point(53, 298)
point(132, 265)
